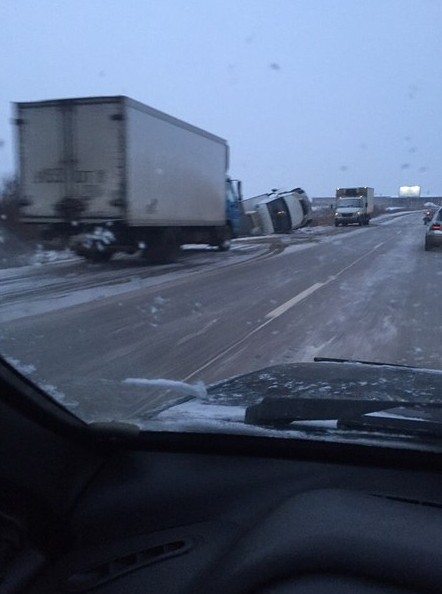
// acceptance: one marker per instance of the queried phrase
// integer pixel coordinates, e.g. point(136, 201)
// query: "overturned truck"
point(278, 212)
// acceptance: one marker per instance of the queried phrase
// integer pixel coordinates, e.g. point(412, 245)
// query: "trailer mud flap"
point(163, 248)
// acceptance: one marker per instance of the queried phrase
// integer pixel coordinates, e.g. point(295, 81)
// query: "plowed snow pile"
point(15, 251)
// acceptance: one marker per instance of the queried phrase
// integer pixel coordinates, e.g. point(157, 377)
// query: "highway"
point(82, 331)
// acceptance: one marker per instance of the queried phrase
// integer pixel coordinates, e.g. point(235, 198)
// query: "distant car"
point(433, 236)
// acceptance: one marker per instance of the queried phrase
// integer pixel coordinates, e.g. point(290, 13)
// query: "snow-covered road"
point(370, 293)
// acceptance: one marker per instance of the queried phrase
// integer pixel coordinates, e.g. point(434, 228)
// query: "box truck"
point(354, 206)
point(112, 174)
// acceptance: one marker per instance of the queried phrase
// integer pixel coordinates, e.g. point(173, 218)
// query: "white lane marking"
point(234, 345)
point(281, 309)
point(198, 333)
point(278, 311)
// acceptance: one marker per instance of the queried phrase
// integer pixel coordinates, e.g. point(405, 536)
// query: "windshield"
point(346, 202)
point(168, 203)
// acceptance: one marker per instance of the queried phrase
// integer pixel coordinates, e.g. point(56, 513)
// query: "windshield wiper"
point(281, 411)
point(417, 420)
point(338, 360)
point(396, 416)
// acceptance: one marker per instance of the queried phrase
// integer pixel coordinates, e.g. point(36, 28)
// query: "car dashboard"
point(210, 513)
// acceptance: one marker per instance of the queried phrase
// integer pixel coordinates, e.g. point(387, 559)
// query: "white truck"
point(354, 206)
point(112, 174)
point(278, 211)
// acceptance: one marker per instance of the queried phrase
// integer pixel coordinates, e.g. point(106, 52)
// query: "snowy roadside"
point(16, 253)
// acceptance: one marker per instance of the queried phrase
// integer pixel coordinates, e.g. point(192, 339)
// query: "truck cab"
point(233, 205)
point(353, 206)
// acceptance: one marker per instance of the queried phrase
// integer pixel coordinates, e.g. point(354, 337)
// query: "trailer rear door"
point(42, 172)
point(71, 160)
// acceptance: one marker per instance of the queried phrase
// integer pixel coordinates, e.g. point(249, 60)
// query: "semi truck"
point(354, 206)
point(111, 174)
point(278, 211)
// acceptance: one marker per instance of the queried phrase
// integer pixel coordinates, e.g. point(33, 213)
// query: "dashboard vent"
point(100, 573)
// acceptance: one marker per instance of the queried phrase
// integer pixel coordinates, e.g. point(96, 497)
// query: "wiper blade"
point(418, 420)
point(276, 412)
point(339, 360)
point(363, 415)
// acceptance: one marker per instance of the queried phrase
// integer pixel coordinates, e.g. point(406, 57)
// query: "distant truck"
point(278, 212)
point(114, 175)
point(354, 206)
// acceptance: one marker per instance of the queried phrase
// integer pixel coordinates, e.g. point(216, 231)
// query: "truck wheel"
point(336, 224)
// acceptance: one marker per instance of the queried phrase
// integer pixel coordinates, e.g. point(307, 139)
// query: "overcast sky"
point(310, 93)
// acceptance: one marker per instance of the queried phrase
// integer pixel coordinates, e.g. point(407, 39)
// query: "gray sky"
point(310, 93)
